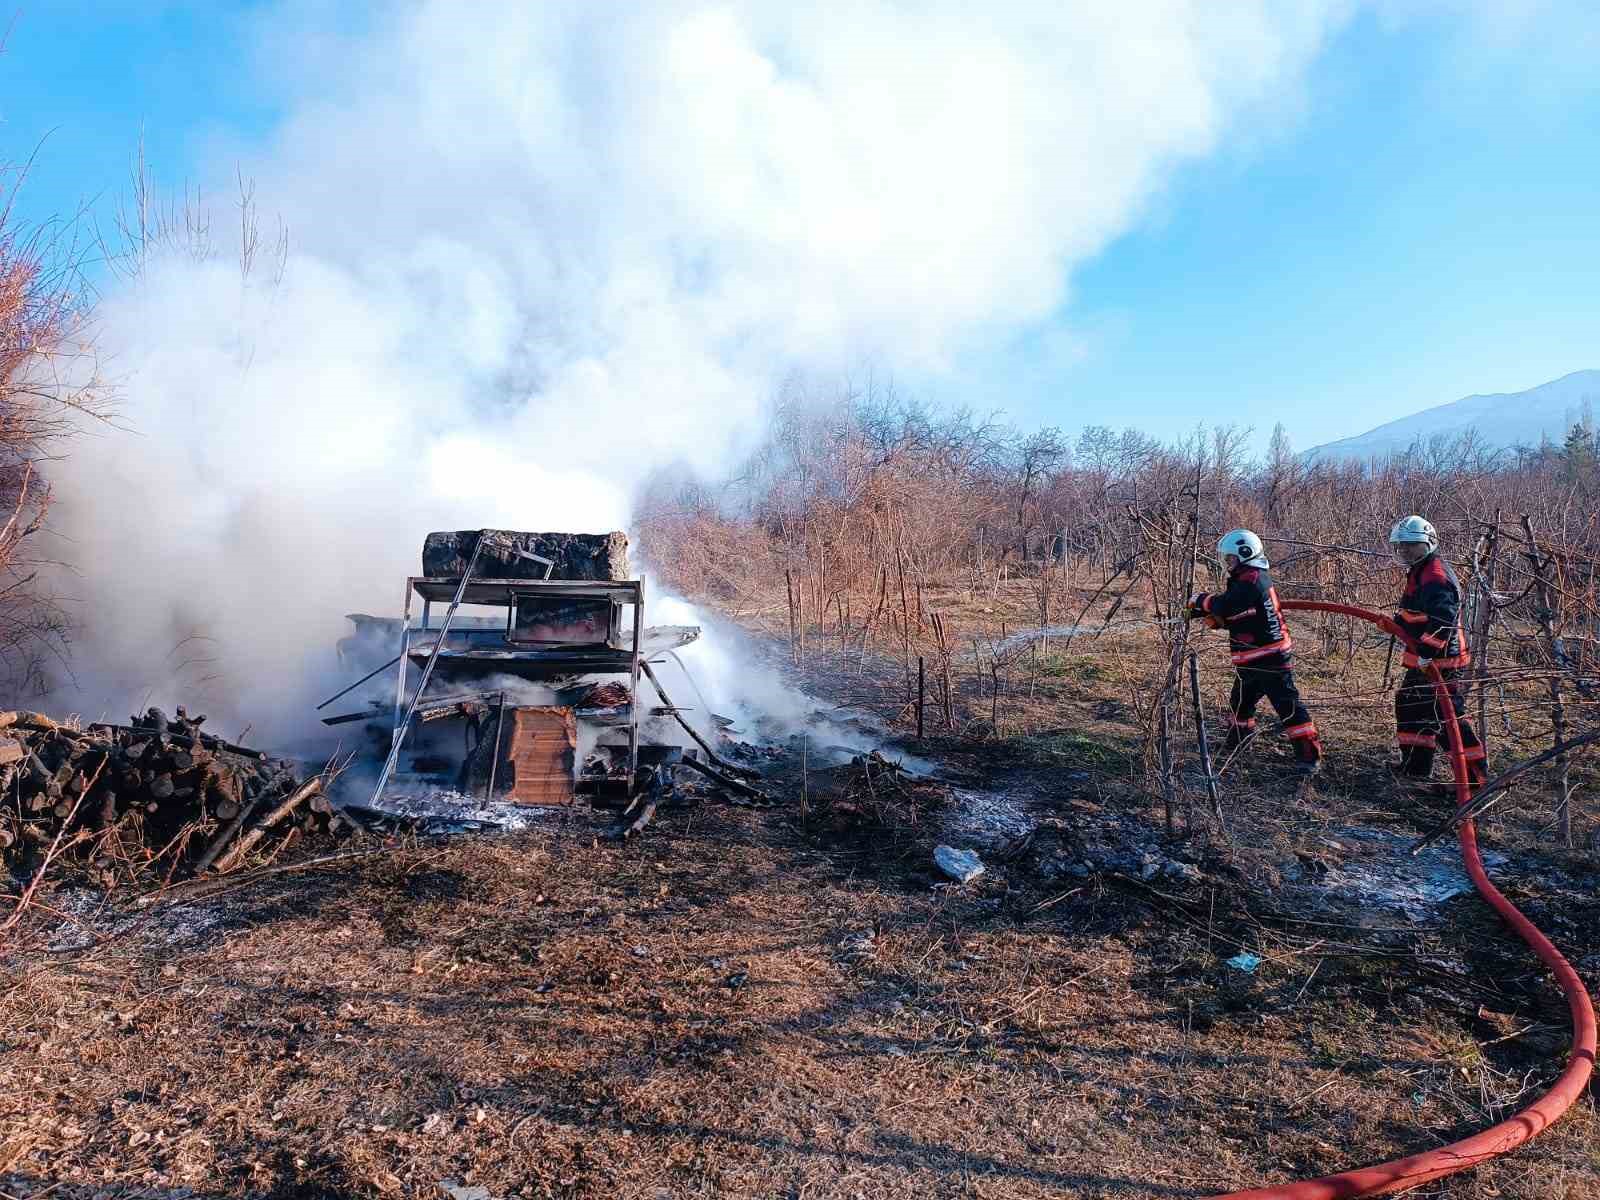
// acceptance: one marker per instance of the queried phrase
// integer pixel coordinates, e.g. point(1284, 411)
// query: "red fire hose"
point(1508, 1134)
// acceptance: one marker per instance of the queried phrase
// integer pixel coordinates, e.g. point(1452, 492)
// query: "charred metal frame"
point(402, 725)
point(542, 661)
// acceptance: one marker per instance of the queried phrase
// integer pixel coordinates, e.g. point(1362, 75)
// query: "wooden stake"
point(794, 625)
point(1545, 613)
point(920, 687)
point(1205, 745)
point(1480, 652)
point(805, 779)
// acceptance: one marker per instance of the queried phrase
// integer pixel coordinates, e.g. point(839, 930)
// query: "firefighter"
point(1430, 614)
point(1259, 640)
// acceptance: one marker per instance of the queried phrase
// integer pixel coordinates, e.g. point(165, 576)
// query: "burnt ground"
point(790, 1002)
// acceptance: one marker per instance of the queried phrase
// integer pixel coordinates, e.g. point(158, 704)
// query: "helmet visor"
point(1408, 553)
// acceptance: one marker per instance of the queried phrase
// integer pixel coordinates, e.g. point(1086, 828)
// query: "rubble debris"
point(727, 781)
point(605, 695)
point(1078, 849)
point(146, 802)
point(716, 760)
point(858, 947)
point(656, 789)
point(873, 796)
point(961, 865)
point(424, 824)
point(506, 554)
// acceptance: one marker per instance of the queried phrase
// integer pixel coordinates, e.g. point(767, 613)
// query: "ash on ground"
point(1359, 870)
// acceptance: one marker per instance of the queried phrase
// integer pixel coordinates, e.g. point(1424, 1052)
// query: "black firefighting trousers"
point(1272, 678)
point(1419, 721)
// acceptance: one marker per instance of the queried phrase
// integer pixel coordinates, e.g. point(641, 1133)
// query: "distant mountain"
point(1502, 420)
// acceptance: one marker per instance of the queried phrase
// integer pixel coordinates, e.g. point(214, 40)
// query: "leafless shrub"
point(870, 504)
point(48, 384)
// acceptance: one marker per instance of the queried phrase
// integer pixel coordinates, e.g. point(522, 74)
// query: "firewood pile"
point(148, 802)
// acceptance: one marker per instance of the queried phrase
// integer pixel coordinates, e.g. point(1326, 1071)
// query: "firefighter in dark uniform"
point(1258, 638)
point(1430, 613)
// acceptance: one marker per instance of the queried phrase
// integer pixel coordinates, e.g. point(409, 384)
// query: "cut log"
point(600, 556)
point(222, 840)
point(11, 750)
point(36, 721)
point(38, 774)
point(283, 809)
point(204, 741)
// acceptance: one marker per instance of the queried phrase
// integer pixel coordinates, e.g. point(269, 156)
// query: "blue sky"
point(1415, 223)
point(1423, 228)
point(82, 82)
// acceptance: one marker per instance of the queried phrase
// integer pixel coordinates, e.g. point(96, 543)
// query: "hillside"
point(1502, 419)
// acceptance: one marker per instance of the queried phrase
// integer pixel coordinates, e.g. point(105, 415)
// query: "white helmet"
point(1243, 545)
point(1411, 530)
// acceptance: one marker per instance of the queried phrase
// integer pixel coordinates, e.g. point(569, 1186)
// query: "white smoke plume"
point(537, 248)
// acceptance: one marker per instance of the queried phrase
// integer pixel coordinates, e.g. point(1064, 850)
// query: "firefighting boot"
point(1414, 774)
point(1416, 764)
point(1476, 778)
point(1308, 756)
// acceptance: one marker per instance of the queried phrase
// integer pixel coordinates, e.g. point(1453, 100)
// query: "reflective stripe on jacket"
point(1430, 611)
point(1249, 610)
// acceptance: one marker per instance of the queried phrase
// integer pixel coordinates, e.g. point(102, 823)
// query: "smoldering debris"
point(149, 802)
point(873, 796)
point(512, 554)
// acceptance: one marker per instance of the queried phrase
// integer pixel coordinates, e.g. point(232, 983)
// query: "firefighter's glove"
point(1196, 608)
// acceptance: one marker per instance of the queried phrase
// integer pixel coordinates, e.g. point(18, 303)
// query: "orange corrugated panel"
point(540, 755)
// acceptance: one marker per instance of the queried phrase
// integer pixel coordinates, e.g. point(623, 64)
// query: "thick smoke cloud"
point(536, 249)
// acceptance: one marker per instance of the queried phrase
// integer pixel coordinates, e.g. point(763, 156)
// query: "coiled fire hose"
point(1531, 1121)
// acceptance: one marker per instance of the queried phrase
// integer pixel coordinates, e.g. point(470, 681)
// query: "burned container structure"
point(536, 690)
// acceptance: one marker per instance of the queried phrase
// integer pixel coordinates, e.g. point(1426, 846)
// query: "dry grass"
point(735, 1006)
